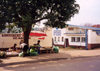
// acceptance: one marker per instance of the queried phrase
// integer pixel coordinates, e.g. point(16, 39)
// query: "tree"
point(27, 12)
point(2, 23)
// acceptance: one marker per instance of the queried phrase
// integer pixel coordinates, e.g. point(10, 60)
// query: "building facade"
point(76, 36)
point(9, 39)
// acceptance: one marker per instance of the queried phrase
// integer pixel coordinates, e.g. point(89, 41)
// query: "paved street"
point(76, 64)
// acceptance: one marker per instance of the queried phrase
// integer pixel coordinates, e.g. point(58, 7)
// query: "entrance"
point(66, 43)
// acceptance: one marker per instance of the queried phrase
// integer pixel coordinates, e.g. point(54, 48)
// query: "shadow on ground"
point(31, 62)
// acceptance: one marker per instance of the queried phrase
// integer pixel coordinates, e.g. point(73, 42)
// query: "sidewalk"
point(53, 57)
point(81, 53)
point(50, 57)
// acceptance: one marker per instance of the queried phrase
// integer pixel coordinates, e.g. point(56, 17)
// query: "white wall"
point(59, 34)
point(93, 38)
point(75, 30)
point(6, 42)
point(68, 36)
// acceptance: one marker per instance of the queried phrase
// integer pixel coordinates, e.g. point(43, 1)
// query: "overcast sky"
point(89, 13)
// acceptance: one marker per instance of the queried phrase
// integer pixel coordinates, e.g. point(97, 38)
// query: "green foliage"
point(56, 49)
point(2, 26)
point(2, 54)
point(27, 12)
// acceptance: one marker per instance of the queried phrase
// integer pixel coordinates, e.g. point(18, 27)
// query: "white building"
point(76, 36)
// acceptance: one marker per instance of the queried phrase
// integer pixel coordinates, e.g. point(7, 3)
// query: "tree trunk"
point(26, 34)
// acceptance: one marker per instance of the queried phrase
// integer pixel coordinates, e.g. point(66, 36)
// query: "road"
point(77, 64)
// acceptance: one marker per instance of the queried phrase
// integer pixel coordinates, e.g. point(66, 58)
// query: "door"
point(66, 43)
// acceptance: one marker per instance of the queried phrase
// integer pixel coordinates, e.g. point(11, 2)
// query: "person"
point(38, 46)
point(13, 48)
point(38, 42)
point(22, 45)
point(24, 48)
point(22, 41)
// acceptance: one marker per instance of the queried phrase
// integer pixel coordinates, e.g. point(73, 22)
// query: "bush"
point(56, 49)
point(2, 54)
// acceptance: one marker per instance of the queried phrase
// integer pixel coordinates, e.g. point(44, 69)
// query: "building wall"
point(68, 33)
point(47, 42)
point(6, 42)
point(57, 35)
point(93, 39)
point(74, 30)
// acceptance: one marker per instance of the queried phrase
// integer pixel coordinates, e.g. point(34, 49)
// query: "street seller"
point(38, 46)
point(24, 48)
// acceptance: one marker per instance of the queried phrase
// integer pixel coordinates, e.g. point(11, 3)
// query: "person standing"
point(38, 46)
point(24, 48)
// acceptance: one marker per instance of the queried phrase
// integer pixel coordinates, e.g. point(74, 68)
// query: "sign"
point(57, 32)
point(15, 36)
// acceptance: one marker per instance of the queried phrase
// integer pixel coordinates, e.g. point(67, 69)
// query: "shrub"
point(56, 49)
point(2, 54)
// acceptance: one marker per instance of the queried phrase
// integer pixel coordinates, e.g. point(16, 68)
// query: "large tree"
point(27, 12)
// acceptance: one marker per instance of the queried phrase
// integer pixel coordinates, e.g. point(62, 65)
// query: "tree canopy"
point(27, 12)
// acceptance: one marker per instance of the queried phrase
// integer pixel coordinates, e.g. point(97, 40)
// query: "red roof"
point(97, 26)
point(37, 34)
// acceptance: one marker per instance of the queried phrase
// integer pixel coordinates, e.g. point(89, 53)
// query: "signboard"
point(57, 32)
point(15, 36)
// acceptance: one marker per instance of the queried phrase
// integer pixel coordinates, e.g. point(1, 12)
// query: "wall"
point(67, 33)
point(74, 30)
point(58, 33)
point(6, 42)
point(93, 38)
point(47, 42)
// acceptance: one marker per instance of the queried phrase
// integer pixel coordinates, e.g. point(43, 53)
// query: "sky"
point(89, 13)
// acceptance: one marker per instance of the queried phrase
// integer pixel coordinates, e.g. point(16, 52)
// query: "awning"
point(42, 38)
point(37, 34)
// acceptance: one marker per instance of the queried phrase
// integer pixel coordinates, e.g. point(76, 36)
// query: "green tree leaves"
point(24, 13)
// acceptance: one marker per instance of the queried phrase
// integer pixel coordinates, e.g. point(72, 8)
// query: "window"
point(58, 39)
point(62, 39)
point(83, 39)
point(73, 39)
point(78, 39)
